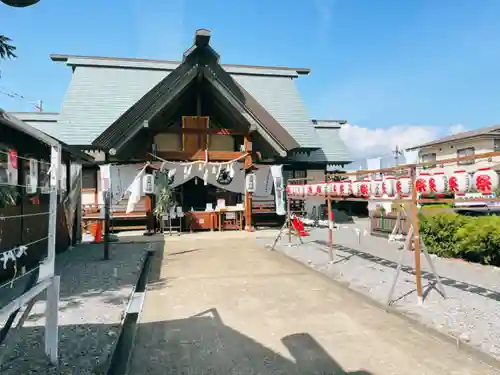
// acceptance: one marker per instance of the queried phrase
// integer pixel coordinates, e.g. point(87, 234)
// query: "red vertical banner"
point(12, 167)
point(13, 158)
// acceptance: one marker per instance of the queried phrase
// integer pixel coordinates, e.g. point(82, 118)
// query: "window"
point(496, 145)
point(461, 152)
point(426, 158)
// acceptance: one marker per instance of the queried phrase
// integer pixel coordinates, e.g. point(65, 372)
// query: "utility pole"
point(39, 106)
point(397, 152)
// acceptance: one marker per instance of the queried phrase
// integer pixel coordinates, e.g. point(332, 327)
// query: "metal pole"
point(107, 206)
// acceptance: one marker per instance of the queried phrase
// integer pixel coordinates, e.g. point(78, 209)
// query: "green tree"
point(7, 50)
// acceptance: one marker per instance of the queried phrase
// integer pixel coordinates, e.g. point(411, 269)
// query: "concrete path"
point(225, 305)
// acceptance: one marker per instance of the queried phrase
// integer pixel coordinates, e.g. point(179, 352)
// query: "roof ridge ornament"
point(202, 41)
point(202, 37)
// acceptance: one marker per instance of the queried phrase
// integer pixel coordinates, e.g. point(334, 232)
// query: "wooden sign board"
point(193, 142)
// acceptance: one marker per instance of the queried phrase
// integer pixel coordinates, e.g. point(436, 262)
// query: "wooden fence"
point(382, 224)
point(22, 230)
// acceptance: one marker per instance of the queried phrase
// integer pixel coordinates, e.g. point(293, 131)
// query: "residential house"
point(468, 143)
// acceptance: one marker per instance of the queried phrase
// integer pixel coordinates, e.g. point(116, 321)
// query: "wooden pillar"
point(247, 145)
point(107, 209)
point(150, 217)
point(330, 228)
point(289, 218)
point(416, 234)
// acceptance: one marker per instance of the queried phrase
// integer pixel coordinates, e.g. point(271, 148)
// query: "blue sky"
point(386, 65)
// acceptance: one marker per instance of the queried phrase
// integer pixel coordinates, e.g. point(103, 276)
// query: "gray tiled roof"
point(44, 121)
point(8, 119)
point(333, 150)
point(102, 89)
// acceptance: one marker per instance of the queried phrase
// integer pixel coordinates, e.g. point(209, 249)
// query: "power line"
point(38, 104)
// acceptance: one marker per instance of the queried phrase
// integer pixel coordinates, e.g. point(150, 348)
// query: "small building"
point(191, 110)
point(468, 143)
point(25, 191)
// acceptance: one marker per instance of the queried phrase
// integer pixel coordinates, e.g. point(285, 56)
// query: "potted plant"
point(164, 196)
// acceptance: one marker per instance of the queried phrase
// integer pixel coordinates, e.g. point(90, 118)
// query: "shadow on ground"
point(92, 290)
point(197, 345)
point(203, 344)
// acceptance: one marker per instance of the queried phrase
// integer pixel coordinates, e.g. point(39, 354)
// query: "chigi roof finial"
point(19, 3)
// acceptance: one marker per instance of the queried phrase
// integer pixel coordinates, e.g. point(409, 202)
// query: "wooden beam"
point(247, 144)
point(199, 155)
point(202, 131)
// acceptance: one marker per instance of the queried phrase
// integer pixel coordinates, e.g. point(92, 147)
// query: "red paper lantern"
point(403, 186)
point(438, 184)
point(459, 182)
point(356, 188)
point(364, 188)
point(486, 181)
point(309, 190)
point(301, 189)
point(376, 187)
point(334, 189)
point(322, 189)
point(422, 183)
point(345, 188)
point(388, 186)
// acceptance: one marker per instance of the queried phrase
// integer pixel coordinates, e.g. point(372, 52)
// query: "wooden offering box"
point(201, 220)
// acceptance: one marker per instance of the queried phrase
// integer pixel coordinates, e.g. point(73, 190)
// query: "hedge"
point(472, 238)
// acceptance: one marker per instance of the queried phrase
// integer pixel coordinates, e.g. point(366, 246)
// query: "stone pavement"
point(222, 304)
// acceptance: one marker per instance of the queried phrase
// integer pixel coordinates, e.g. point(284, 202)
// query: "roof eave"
point(456, 140)
point(29, 130)
point(14, 122)
point(65, 58)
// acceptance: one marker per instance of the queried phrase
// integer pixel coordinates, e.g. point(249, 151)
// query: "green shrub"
point(436, 205)
point(432, 209)
point(439, 233)
point(479, 240)
point(475, 239)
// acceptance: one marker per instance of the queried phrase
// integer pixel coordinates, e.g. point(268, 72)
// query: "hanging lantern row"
point(485, 181)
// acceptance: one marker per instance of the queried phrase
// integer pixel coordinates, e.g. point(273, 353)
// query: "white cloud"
point(364, 142)
point(457, 128)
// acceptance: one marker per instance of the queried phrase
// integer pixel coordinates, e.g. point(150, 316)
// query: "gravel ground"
point(470, 313)
point(94, 294)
